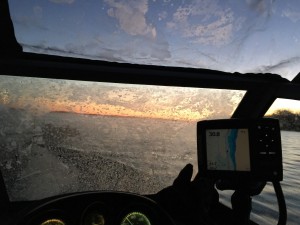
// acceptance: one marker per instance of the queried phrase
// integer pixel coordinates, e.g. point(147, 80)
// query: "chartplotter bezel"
point(263, 149)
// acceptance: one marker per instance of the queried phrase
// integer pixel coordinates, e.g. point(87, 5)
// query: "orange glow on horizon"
point(42, 105)
point(45, 105)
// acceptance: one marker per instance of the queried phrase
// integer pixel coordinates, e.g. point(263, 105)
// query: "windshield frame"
point(17, 63)
point(270, 86)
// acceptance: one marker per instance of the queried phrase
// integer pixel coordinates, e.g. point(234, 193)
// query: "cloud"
point(142, 47)
point(293, 15)
point(216, 32)
point(131, 15)
point(62, 1)
point(204, 22)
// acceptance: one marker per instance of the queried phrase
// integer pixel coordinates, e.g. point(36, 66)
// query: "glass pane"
point(265, 210)
point(284, 105)
point(288, 113)
point(61, 136)
point(264, 207)
point(234, 36)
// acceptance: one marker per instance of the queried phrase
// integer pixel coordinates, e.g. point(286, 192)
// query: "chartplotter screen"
point(228, 149)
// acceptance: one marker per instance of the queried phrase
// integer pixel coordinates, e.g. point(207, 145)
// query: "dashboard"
point(95, 208)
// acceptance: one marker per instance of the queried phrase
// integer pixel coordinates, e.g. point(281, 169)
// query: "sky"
point(259, 36)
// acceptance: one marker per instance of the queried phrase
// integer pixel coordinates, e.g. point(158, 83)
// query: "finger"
point(184, 176)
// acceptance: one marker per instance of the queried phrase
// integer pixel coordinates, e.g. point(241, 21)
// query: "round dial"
point(135, 218)
point(53, 222)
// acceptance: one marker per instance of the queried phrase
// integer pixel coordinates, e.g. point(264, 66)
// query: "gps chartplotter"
point(240, 149)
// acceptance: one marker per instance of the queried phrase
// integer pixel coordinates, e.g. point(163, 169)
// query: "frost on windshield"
point(59, 136)
point(249, 36)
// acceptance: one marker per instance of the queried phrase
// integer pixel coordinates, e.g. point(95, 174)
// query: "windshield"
point(264, 205)
point(288, 113)
point(62, 136)
point(282, 106)
point(249, 36)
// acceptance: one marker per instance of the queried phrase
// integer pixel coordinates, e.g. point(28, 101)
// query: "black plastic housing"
point(265, 152)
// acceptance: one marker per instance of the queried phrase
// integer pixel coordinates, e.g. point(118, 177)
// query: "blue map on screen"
point(228, 149)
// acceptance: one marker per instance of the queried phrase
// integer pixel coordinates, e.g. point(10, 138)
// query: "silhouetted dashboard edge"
point(87, 208)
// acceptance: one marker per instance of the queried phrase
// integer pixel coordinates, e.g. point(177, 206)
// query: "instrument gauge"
point(135, 218)
point(53, 222)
